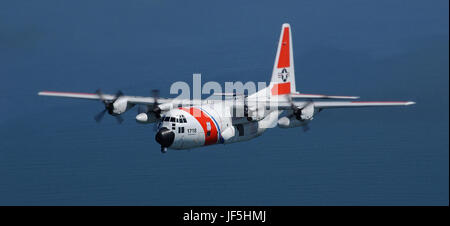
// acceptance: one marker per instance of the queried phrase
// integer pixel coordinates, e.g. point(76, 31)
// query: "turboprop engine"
point(151, 114)
point(115, 106)
point(300, 117)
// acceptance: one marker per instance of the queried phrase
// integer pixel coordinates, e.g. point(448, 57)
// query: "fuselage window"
point(172, 119)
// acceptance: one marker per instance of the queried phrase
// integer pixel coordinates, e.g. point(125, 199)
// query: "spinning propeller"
point(109, 106)
point(155, 111)
point(298, 113)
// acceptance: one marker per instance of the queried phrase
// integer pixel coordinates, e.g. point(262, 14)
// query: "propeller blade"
point(155, 93)
point(306, 128)
point(156, 110)
point(117, 96)
point(119, 118)
point(100, 115)
point(100, 95)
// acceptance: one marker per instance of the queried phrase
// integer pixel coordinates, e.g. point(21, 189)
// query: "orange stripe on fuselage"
point(203, 118)
point(284, 58)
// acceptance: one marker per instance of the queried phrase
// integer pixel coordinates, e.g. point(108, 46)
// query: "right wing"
point(94, 96)
point(91, 96)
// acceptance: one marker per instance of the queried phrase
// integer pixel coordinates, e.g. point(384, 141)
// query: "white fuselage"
point(208, 124)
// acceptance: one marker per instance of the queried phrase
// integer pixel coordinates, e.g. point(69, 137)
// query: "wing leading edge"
point(94, 96)
point(355, 104)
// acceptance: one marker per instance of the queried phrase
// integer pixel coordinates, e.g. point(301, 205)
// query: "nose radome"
point(165, 137)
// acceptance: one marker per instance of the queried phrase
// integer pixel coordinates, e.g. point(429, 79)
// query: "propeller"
point(298, 112)
point(156, 111)
point(306, 127)
point(109, 106)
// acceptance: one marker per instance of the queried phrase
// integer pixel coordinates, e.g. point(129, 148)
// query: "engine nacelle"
point(300, 117)
point(290, 122)
point(121, 106)
point(305, 113)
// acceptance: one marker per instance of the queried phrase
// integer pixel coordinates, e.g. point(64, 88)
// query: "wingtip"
point(410, 103)
point(286, 25)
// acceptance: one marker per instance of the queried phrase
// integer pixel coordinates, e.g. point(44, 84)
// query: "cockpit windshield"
point(179, 119)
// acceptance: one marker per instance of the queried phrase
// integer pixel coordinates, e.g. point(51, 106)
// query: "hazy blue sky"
point(53, 152)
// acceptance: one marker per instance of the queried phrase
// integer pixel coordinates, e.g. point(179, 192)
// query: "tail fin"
point(283, 75)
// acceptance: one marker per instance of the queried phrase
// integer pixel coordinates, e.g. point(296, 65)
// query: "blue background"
point(53, 153)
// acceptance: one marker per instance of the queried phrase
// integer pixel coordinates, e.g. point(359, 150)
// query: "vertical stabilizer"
point(283, 75)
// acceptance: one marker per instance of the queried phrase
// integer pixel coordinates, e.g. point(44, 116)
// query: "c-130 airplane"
point(186, 123)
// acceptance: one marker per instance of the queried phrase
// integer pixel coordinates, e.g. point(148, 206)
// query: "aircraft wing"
point(94, 96)
point(355, 104)
point(286, 105)
point(319, 96)
point(91, 96)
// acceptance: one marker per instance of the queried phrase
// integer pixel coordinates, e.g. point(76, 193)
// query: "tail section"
point(283, 75)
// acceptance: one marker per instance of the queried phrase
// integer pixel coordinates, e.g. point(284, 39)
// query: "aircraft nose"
point(165, 137)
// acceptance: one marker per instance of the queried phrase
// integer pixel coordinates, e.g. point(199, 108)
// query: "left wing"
point(319, 96)
point(354, 104)
point(287, 105)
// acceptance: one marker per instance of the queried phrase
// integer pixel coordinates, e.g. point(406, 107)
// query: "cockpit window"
point(178, 119)
point(182, 119)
